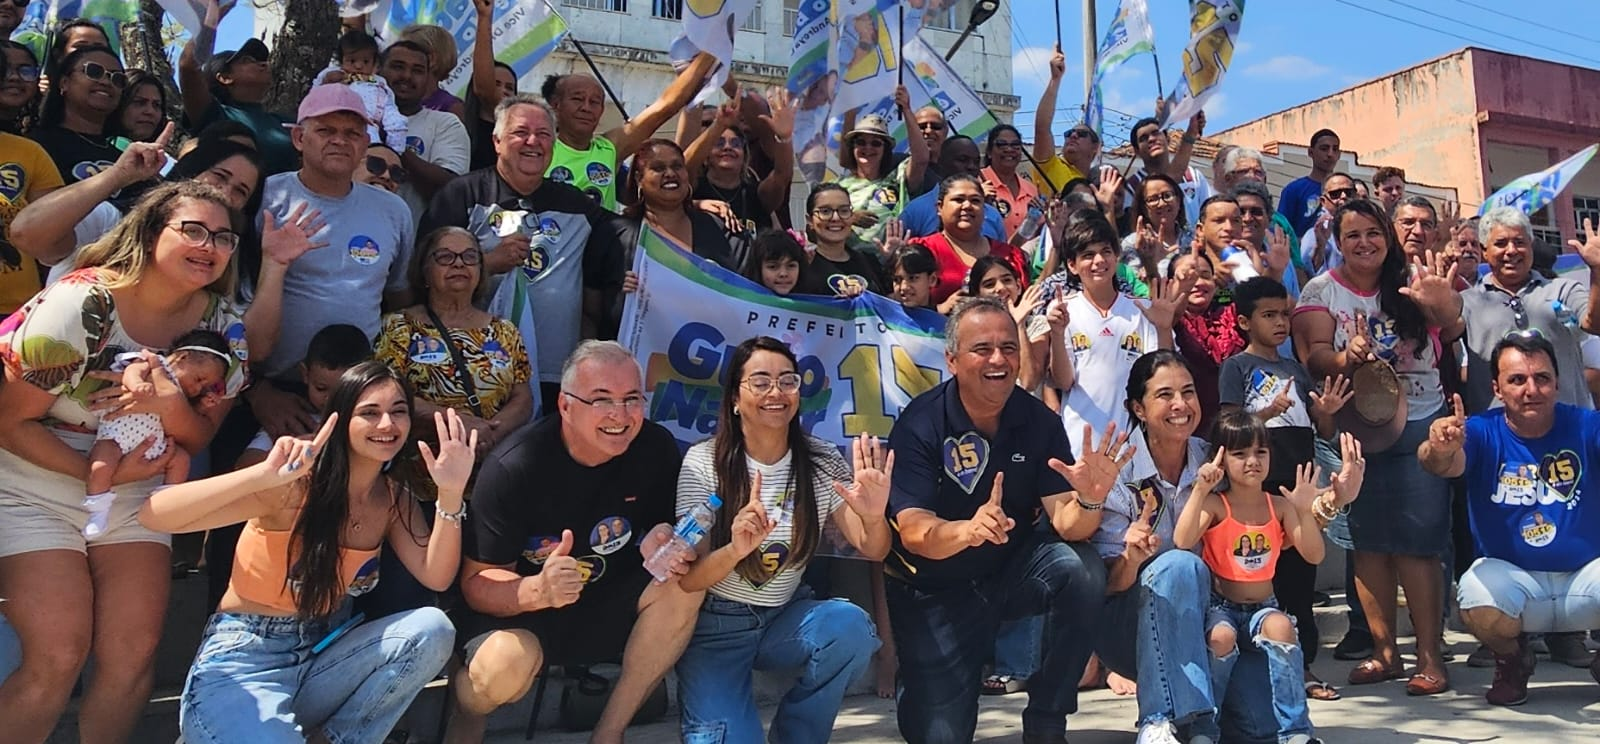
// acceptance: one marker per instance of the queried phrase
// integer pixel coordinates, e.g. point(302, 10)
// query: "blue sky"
point(1292, 51)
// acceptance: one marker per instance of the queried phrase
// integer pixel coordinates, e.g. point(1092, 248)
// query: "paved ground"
point(1564, 706)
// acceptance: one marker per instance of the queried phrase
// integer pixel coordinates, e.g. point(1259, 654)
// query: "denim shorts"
point(1236, 615)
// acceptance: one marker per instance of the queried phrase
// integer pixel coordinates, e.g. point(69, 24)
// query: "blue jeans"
point(1016, 647)
point(827, 643)
point(255, 679)
point(1285, 663)
point(943, 638)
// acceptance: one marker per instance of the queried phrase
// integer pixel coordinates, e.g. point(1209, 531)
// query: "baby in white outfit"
point(357, 67)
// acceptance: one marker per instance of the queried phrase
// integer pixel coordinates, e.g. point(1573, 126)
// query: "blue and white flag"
point(525, 31)
point(1213, 33)
point(1534, 191)
point(709, 26)
point(1129, 35)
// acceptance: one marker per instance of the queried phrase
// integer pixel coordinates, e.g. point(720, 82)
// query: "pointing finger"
point(996, 491)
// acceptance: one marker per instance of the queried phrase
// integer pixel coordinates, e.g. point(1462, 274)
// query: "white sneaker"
point(1158, 732)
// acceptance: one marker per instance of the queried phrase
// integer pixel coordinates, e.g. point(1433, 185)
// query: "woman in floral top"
point(447, 275)
point(164, 270)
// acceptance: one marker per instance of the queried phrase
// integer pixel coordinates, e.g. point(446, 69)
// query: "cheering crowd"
point(365, 353)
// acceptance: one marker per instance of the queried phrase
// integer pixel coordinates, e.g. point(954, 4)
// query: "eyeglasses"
point(937, 126)
point(829, 213)
point(1341, 194)
point(20, 3)
point(464, 258)
point(197, 234)
point(1008, 144)
point(25, 73)
point(1252, 212)
point(1519, 314)
point(610, 405)
point(376, 166)
point(1087, 134)
point(96, 71)
point(1407, 223)
point(1164, 197)
point(787, 382)
point(736, 143)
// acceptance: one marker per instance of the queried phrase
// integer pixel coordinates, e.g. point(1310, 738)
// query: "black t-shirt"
point(77, 156)
point(945, 466)
point(482, 136)
point(746, 202)
point(710, 239)
point(817, 276)
point(530, 489)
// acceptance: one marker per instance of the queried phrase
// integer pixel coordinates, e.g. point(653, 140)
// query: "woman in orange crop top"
point(1240, 532)
point(282, 657)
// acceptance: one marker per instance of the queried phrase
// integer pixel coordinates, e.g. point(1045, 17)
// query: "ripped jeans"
point(1285, 661)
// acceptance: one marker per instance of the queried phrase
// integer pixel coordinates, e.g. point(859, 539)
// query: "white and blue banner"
point(1534, 191)
point(861, 359)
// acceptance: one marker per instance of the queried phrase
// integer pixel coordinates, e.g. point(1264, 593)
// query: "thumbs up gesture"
point(563, 582)
point(751, 524)
point(990, 523)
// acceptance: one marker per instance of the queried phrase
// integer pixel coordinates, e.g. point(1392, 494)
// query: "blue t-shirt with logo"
point(1528, 499)
point(1300, 203)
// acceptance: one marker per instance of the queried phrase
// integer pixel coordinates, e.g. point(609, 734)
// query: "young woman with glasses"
point(19, 88)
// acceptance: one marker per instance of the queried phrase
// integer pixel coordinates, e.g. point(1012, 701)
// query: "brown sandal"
point(1426, 684)
point(1371, 672)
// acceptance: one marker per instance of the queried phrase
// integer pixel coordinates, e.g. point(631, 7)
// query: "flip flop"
point(1373, 671)
point(1003, 684)
point(1317, 689)
point(1426, 684)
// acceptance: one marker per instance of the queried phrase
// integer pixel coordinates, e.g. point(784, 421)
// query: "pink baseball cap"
point(327, 99)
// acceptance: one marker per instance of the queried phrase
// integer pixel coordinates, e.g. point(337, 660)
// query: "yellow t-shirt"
point(26, 172)
point(1056, 173)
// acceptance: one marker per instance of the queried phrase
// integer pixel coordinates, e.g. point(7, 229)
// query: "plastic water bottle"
point(691, 529)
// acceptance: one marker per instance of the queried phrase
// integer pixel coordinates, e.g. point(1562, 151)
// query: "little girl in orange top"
point(1241, 531)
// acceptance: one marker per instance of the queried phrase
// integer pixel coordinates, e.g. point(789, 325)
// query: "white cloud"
point(1030, 68)
point(1287, 67)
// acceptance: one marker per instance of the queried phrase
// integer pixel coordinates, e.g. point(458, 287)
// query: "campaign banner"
point(861, 359)
point(867, 54)
point(1534, 191)
point(42, 18)
point(709, 26)
point(1129, 34)
point(941, 87)
point(1213, 33)
point(524, 31)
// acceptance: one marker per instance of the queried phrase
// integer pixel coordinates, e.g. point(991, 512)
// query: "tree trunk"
point(144, 48)
point(301, 49)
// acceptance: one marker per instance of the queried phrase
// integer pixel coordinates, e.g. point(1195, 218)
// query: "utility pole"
point(1089, 46)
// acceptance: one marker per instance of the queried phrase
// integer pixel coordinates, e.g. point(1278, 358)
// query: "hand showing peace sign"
point(990, 523)
point(292, 458)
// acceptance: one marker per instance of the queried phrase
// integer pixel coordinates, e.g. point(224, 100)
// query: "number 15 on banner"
point(863, 367)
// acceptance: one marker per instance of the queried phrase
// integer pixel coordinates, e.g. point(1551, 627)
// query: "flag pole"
point(1156, 62)
point(900, 60)
point(584, 53)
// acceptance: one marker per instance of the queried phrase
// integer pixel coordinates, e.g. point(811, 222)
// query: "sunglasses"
point(97, 72)
point(1519, 314)
point(937, 126)
point(19, 3)
point(376, 166)
point(1080, 134)
point(1342, 194)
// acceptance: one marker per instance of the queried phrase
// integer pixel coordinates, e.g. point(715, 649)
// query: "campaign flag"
point(812, 80)
point(1534, 191)
point(525, 32)
point(709, 26)
point(867, 52)
point(1129, 34)
point(941, 87)
point(861, 360)
point(42, 18)
point(1213, 32)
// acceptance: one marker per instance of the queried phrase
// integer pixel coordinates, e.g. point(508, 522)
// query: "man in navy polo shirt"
point(978, 460)
point(1531, 481)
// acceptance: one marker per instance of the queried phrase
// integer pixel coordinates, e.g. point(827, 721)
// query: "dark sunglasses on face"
point(96, 71)
point(376, 166)
point(19, 3)
point(937, 126)
point(1342, 194)
point(1080, 134)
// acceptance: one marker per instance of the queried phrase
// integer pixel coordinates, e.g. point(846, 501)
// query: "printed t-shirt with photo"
point(1419, 374)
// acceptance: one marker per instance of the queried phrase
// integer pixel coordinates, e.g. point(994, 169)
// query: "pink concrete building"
point(1471, 120)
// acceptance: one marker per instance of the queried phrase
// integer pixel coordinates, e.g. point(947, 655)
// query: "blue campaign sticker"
point(599, 174)
point(364, 250)
point(847, 285)
point(610, 535)
point(549, 227)
point(82, 171)
point(498, 358)
point(561, 174)
point(536, 262)
point(965, 459)
point(236, 343)
point(539, 547)
point(1561, 473)
point(1537, 530)
point(415, 144)
point(425, 349)
point(366, 578)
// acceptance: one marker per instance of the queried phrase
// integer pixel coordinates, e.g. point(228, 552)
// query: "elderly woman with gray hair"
point(454, 354)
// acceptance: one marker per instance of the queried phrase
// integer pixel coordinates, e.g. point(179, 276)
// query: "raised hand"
point(990, 523)
point(1281, 403)
point(451, 467)
point(291, 458)
point(1209, 474)
point(1032, 299)
point(1094, 472)
point(1165, 303)
point(283, 242)
point(868, 493)
point(1056, 312)
point(894, 233)
point(563, 582)
point(751, 524)
point(1336, 391)
point(1361, 348)
point(1197, 124)
point(1148, 244)
point(1058, 63)
point(1589, 249)
point(143, 161)
point(902, 101)
point(1449, 220)
point(1352, 471)
point(781, 120)
point(1448, 433)
point(1109, 188)
point(1277, 256)
point(1305, 490)
point(728, 113)
point(1322, 230)
point(1140, 541)
point(1433, 284)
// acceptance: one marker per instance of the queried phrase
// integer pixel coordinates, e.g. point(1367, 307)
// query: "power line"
point(1536, 24)
point(1469, 40)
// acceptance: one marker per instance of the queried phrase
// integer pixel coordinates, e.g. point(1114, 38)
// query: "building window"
point(754, 21)
point(1585, 208)
point(615, 6)
point(671, 10)
point(791, 16)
